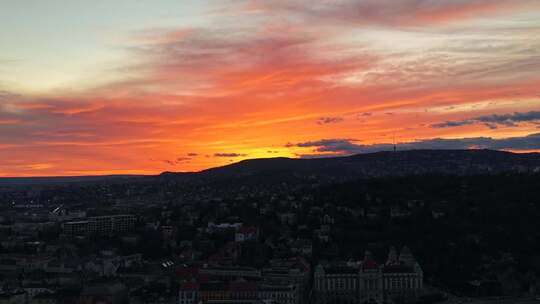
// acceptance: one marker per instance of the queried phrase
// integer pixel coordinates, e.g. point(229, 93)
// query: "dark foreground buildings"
point(367, 281)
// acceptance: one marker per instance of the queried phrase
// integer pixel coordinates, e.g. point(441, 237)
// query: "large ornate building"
point(367, 281)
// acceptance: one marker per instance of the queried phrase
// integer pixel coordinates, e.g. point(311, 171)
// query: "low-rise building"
point(246, 234)
point(108, 224)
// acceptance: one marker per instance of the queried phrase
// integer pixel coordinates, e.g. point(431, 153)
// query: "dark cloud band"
point(229, 155)
point(348, 146)
point(492, 121)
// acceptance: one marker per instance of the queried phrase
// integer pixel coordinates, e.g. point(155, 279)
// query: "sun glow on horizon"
point(141, 88)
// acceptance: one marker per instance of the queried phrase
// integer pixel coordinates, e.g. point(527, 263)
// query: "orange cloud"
point(202, 97)
point(8, 121)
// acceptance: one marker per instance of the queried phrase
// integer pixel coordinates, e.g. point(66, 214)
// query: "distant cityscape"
point(43, 272)
point(264, 238)
point(269, 152)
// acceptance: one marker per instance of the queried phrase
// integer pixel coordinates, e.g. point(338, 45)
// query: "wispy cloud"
point(329, 120)
point(6, 95)
point(229, 155)
point(494, 120)
point(290, 71)
point(404, 13)
point(177, 161)
point(337, 145)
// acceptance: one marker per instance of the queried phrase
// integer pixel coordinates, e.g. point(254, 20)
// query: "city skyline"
point(141, 87)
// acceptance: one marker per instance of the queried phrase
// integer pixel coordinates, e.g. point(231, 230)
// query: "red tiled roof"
point(303, 262)
point(370, 264)
point(249, 229)
point(189, 286)
point(187, 272)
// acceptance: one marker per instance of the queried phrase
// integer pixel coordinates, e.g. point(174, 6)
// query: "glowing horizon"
point(150, 86)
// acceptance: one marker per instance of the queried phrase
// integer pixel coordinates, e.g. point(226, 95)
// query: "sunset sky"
point(145, 86)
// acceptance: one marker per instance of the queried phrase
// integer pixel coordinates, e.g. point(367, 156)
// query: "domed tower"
point(368, 255)
point(392, 257)
point(406, 257)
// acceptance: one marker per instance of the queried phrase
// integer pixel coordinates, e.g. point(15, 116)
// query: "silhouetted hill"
point(379, 164)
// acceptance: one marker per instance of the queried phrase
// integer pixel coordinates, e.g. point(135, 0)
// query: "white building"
point(367, 281)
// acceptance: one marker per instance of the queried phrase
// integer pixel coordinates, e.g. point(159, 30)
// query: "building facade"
point(238, 291)
point(108, 224)
point(295, 271)
point(367, 281)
